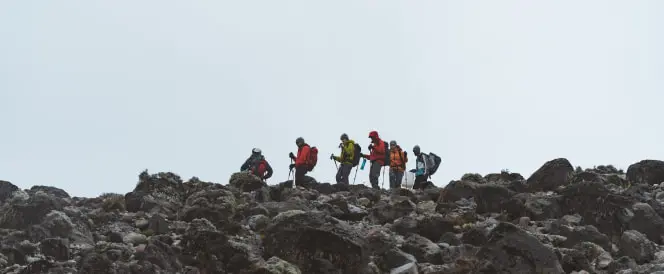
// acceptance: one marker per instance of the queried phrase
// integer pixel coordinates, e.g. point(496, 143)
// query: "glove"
point(291, 155)
point(413, 170)
point(291, 166)
point(371, 147)
point(331, 156)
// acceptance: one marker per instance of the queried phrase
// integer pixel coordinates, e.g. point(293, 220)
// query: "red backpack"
point(260, 169)
point(312, 160)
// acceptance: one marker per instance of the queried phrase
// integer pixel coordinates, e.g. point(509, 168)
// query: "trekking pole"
point(356, 168)
point(383, 186)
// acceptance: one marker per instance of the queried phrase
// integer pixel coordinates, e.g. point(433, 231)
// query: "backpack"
point(387, 154)
point(259, 169)
point(432, 162)
point(357, 155)
point(312, 160)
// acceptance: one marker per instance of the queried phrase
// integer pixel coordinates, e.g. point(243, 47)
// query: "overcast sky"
point(94, 92)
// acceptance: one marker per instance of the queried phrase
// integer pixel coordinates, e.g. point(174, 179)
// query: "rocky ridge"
point(560, 220)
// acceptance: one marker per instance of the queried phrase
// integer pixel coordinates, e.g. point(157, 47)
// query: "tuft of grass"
point(112, 201)
point(148, 232)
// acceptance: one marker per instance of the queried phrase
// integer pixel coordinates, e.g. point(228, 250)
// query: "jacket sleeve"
point(245, 166)
point(268, 169)
point(302, 157)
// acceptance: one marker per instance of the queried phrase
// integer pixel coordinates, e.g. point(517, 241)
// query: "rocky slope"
point(560, 220)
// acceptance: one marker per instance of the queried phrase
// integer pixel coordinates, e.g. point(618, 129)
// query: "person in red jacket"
point(376, 157)
point(300, 164)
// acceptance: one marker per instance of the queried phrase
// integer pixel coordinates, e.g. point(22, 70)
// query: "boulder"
point(161, 193)
point(304, 238)
point(512, 250)
point(646, 172)
point(246, 181)
point(551, 175)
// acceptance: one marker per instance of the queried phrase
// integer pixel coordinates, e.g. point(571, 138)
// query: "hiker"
point(377, 157)
point(426, 165)
point(420, 168)
point(398, 160)
point(257, 165)
point(302, 163)
point(345, 159)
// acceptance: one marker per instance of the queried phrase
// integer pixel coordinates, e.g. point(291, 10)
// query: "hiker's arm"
point(245, 166)
point(268, 169)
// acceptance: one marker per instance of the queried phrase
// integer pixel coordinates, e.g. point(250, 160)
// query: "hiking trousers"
point(300, 171)
point(374, 174)
point(420, 181)
point(395, 178)
point(343, 172)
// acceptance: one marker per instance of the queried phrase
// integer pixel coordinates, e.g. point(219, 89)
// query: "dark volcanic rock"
point(558, 221)
point(551, 175)
point(302, 237)
point(6, 190)
point(512, 250)
point(646, 172)
point(246, 181)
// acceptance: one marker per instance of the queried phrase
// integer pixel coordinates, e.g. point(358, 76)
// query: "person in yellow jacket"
point(345, 159)
point(398, 160)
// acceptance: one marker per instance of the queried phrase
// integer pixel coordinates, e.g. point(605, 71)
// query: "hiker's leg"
point(393, 179)
point(340, 173)
point(398, 177)
point(374, 174)
point(346, 169)
point(299, 175)
point(419, 181)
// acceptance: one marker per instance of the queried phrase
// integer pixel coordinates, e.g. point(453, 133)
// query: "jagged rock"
point(56, 248)
point(300, 237)
point(514, 250)
point(57, 192)
point(489, 197)
point(536, 206)
point(158, 193)
point(637, 246)
point(216, 205)
point(473, 177)
point(7, 190)
point(423, 249)
point(275, 265)
point(24, 210)
point(597, 206)
point(457, 190)
point(504, 177)
point(551, 175)
point(388, 212)
point(158, 225)
point(646, 172)
point(246, 182)
point(394, 260)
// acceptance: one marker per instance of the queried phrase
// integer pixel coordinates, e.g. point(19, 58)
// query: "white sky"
point(93, 92)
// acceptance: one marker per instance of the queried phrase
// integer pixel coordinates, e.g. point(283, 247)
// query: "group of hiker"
point(381, 155)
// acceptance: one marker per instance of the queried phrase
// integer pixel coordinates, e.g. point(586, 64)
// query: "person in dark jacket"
point(257, 165)
point(300, 164)
point(420, 168)
point(376, 157)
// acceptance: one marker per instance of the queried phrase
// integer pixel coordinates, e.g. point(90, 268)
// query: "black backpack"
point(433, 162)
point(357, 155)
point(387, 154)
